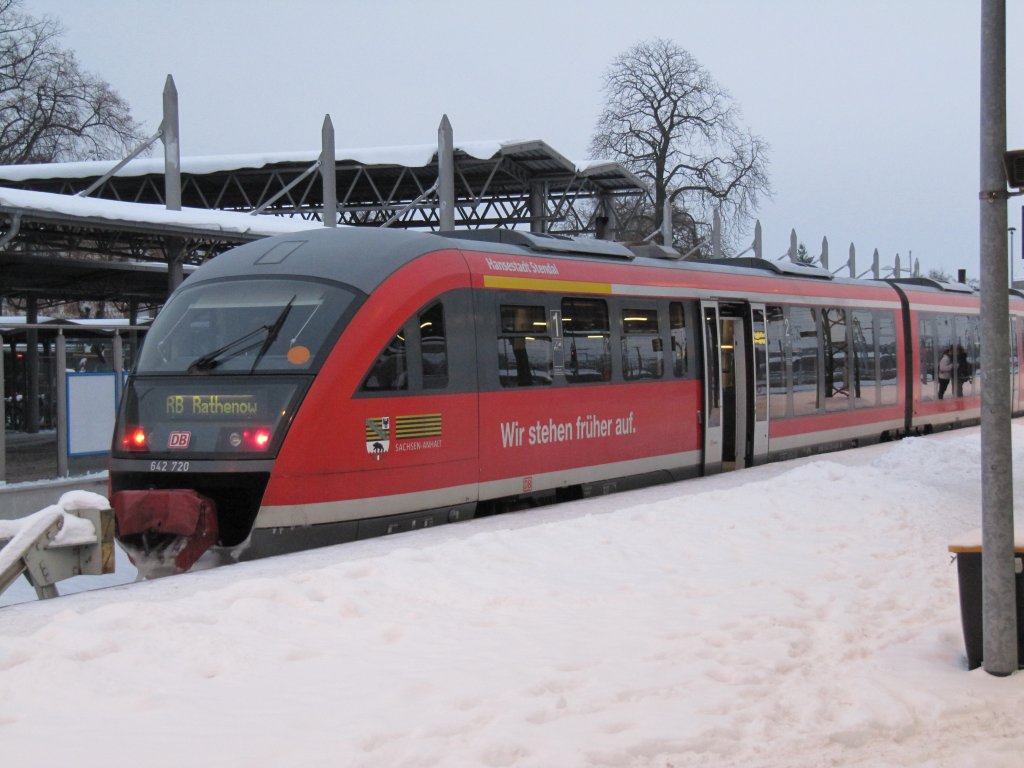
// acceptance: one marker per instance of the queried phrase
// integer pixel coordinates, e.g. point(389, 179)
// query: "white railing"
point(72, 538)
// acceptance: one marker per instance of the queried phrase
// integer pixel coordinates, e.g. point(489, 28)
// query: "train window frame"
point(938, 332)
point(433, 317)
point(803, 321)
point(641, 322)
point(866, 350)
point(405, 347)
point(592, 327)
point(837, 350)
point(523, 342)
point(682, 353)
point(889, 356)
point(780, 371)
point(389, 372)
point(875, 366)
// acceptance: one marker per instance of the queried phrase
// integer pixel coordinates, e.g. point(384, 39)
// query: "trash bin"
point(968, 568)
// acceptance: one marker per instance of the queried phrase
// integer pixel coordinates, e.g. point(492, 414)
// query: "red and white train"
point(311, 389)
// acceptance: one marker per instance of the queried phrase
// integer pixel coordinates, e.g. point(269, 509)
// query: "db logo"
point(179, 439)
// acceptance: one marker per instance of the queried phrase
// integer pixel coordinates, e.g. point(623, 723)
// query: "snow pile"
point(801, 614)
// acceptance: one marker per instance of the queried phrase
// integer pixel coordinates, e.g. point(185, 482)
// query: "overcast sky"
point(871, 107)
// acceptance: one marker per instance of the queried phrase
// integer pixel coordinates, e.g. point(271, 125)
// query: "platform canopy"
point(494, 182)
point(57, 245)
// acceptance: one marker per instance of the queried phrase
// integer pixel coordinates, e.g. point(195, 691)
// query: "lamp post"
point(1011, 231)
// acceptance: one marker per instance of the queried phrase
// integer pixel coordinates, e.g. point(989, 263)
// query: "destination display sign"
point(212, 406)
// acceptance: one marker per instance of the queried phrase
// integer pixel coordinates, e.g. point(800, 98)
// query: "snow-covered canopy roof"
point(114, 214)
point(124, 216)
point(412, 156)
point(384, 177)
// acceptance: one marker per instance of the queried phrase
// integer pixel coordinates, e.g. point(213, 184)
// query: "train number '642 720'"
point(169, 466)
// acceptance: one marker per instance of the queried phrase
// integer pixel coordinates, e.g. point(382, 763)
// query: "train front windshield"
point(225, 366)
point(244, 326)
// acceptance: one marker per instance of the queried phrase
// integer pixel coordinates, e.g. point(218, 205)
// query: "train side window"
point(642, 356)
point(888, 367)
point(967, 351)
point(837, 359)
point(524, 346)
point(938, 336)
point(433, 347)
point(587, 334)
point(677, 330)
point(803, 329)
point(389, 373)
point(928, 357)
point(780, 373)
point(866, 359)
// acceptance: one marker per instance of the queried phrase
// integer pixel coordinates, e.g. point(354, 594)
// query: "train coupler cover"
point(165, 531)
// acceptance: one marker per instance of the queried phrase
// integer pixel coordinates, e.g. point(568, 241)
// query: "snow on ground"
point(801, 614)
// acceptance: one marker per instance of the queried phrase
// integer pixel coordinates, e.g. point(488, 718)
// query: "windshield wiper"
point(272, 330)
point(217, 356)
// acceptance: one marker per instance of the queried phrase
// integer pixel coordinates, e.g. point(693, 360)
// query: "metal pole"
point(175, 262)
point(31, 407)
point(172, 181)
point(600, 220)
point(1012, 230)
point(328, 173)
point(118, 365)
point(446, 175)
point(716, 235)
point(538, 207)
point(133, 335)
point(3, 428)
point(62, 407)
point(666, 223)
point(999, 620)
point(172, 149)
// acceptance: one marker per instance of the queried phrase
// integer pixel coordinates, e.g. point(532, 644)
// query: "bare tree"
point(50, 109)
point(669, 122)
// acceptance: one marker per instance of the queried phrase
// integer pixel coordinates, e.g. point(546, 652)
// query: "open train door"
point(711, 415)
point(758, 356)
point(735, 409)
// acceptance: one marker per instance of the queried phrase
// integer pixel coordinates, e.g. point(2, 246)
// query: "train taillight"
point(253, 439)
point(259, 439)
point(135, 439)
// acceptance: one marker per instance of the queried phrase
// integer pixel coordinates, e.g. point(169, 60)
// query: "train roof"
point(364, 257)
point(928, 282)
